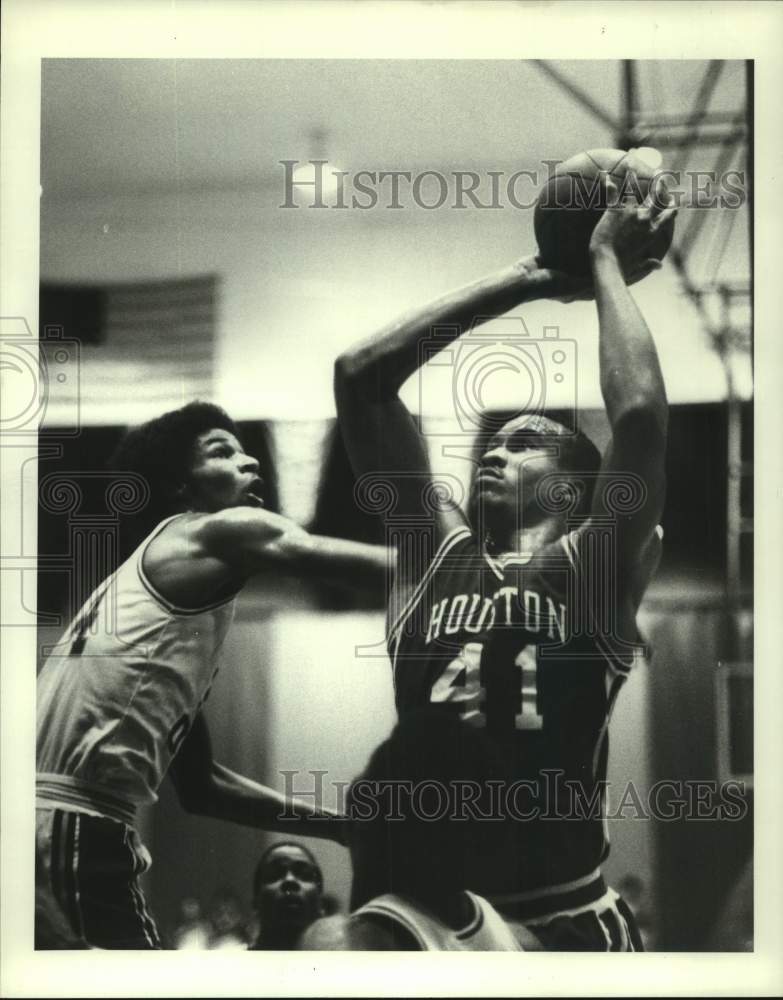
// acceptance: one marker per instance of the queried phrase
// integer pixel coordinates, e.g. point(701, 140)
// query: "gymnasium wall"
point(323, 278)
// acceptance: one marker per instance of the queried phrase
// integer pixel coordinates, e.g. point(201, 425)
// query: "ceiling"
point(112, 125)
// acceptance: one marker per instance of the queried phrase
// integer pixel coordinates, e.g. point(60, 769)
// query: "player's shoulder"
point(354, 932)
point(447, 550)
point(594, 540)
point(168, 538)
point(326, 934)
point(377, 932)
point(460, 539)
point(232, 524)
point(222, 534)
point(444, 542)
point(417, 569)
point(239, 516)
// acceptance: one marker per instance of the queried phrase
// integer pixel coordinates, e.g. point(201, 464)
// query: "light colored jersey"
point(486, 931)
point(118, 695)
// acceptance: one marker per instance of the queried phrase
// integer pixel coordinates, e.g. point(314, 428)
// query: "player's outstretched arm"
point(631, 380)
point(207, 788)
point(251, 541)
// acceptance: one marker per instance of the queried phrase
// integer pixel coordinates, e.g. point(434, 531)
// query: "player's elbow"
point(187, 796)
point(634, 395)
point(353, 368)
point(295, 550)
point(359, 377)
point(197, 800)
point(346, 380)
point(640, 422)
point(195, 790)
point(346, 367)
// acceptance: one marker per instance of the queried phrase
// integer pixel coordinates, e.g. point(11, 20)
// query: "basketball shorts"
point(606, 924)
point(87, 893)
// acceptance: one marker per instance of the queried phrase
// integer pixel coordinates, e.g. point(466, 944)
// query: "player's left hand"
point(627, 229)
point(561, 286)
point(571, 288)
point(641, 270)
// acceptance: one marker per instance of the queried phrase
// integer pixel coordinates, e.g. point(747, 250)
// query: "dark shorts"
point(606, 924)
point(87, 892)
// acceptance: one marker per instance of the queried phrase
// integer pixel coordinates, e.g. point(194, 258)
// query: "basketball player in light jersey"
point(522, 619)
point(121, 698)
point(411, 843)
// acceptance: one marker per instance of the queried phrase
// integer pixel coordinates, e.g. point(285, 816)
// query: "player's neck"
point(523, 540)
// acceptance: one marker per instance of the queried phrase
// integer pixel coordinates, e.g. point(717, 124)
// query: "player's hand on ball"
point(641, 270)
point(628, 229)
point(555, 284)
point(564, 287)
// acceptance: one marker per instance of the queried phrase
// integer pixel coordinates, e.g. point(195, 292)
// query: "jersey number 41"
point(460, 683)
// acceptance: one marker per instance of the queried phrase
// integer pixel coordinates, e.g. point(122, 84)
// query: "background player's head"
point(417, 808)
point(287, 889)
point(192, 459)
point(525, 471)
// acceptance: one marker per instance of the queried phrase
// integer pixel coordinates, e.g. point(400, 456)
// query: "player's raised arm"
point(207, 788)
point(379, 433)
point(631, 381)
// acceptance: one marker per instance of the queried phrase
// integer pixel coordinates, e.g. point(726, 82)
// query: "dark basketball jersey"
point(521, 649)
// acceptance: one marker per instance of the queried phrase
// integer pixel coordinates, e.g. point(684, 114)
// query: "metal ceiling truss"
point(718, 303)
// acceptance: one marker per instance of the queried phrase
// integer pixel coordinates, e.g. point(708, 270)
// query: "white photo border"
point(36, 29)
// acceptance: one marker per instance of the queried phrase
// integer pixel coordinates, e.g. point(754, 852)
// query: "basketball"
point(572, 201)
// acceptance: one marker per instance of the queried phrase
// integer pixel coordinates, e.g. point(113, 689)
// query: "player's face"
point(516, 458)
point(289, 892)
point(222, 475)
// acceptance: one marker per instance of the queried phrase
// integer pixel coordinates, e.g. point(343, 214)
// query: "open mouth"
point(254, 493)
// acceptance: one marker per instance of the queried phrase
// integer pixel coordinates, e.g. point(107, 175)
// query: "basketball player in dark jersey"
point(409, 854)
point(522, 618)
point(121, 697)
